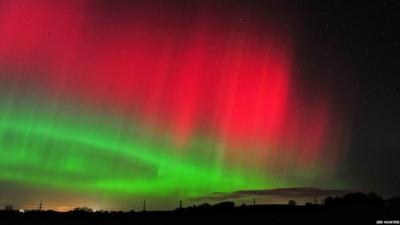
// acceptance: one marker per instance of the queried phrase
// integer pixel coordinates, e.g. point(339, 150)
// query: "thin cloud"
point(296, 192)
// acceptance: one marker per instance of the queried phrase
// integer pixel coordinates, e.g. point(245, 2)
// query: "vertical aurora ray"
point(153, 101)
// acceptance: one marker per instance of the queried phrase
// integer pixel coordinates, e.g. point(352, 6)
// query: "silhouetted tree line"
point(361, 200)
point(356, 208)
point(348, 200)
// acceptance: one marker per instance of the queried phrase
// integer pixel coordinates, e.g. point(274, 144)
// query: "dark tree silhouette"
point(292, 202)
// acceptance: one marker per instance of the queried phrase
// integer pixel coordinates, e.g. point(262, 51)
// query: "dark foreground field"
point(224, 213)
point(246, 215)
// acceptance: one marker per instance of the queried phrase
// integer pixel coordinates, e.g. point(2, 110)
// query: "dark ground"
point(354, 208)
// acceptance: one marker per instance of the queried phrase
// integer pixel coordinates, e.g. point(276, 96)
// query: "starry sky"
point(108, 103)
point(356, 44)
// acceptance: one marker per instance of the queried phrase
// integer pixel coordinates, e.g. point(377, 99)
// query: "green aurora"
point(72, 151)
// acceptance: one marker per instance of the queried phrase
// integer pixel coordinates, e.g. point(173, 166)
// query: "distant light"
point(21, 210)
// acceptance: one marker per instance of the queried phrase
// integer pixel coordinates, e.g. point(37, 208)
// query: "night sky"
point(357, 46)
point(109, 103)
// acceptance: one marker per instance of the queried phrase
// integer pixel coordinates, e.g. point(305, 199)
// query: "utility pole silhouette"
point(144, 206)
point(315, 199)
point(40, 205)
point(180, 204)
point(254, 201)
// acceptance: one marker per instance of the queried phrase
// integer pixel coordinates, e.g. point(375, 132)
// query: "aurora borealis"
point(160, 100)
